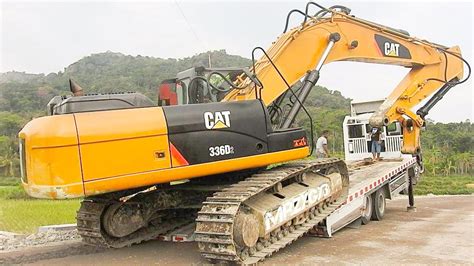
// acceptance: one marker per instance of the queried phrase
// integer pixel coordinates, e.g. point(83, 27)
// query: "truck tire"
point(378, 200)
point(368, 209)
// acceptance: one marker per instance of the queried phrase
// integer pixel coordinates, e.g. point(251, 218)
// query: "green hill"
point(24, 96)
point(103, 72)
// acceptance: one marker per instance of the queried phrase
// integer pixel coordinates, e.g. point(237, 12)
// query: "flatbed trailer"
point(370, 186)
point(371, 183)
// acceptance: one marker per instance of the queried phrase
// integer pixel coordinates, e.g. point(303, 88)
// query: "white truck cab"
point(356, 130)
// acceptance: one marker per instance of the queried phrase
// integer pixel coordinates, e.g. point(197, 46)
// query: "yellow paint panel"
point(52, 158)
point(54, 172)
point(53, 166)
point(186, 172)
point(69, 191)
point(50, 131)
point(120, 124)
point(124, 157)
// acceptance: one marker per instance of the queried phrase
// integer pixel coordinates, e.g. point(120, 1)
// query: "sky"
point(44, 37)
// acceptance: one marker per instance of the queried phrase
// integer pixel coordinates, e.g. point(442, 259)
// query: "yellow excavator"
point(144, 170)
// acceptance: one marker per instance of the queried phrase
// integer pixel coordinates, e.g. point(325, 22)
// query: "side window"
point(180, 91)
point(355, 131)
point(394, 129)
point(368, 128)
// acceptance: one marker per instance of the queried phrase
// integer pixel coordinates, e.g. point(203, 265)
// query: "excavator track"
point(215, 222)
point(89, 226)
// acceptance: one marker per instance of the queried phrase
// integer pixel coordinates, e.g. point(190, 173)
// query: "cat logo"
point(216, 120)
point(391, 49)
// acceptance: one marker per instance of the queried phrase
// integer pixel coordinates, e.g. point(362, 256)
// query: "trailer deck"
point(365, 178)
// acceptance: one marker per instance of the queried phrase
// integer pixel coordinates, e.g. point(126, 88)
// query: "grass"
point(9, 181)
point(444, 185)
point(21, 214)
point(24, 216)
point(13, 192)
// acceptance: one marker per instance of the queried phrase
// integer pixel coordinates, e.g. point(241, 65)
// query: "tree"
point(10, 124)
point(9, 163)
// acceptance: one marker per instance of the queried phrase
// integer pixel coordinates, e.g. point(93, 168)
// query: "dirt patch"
point(59, 249)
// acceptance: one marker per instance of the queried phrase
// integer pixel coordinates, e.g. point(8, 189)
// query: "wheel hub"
point(121, 220)
point(246, 230)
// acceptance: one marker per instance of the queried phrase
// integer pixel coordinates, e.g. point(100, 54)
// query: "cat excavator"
point(230, 163)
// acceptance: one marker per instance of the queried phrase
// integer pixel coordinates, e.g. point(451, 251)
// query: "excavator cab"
point(199, 85)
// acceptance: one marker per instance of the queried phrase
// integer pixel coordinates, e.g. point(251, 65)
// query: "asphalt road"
point(440, 232)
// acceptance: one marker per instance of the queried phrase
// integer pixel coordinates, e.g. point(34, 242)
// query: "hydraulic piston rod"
point(310, 80)
point(423, 111)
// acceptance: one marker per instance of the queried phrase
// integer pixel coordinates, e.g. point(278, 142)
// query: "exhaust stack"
point(75, 88)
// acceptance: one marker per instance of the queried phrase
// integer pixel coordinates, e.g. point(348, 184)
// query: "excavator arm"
point(335, 35)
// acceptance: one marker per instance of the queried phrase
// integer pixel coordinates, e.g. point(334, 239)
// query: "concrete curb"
point(57, 227)
point(10, 235)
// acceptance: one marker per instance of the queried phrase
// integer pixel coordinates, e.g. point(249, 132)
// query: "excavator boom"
point(337, 36)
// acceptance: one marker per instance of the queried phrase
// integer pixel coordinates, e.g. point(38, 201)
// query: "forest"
point(447, 148)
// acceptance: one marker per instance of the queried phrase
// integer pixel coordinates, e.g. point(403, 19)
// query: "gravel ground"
point(37, 239)
point(440, 232)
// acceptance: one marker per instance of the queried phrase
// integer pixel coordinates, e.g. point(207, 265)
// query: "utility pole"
point(209, 59)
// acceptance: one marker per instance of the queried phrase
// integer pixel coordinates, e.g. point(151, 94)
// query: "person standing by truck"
point(376, 138)
point(322, 145)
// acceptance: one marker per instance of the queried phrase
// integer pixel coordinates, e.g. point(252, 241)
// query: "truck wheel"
point(368, 209)
point(378, 204)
